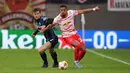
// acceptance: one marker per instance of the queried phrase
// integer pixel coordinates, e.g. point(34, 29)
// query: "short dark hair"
point(63, 6)
point(37, 9)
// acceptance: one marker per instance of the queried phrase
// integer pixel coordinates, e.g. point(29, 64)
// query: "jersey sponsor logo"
point(39, 24)
point(51, 40)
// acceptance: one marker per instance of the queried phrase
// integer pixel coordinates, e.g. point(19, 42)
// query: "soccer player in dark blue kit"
point(51, 38)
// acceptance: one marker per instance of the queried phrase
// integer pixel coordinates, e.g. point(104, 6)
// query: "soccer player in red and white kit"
point(65, 20)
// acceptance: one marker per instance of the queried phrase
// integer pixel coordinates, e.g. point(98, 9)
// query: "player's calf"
point(82, 52)
point(78, 47)
point(42, 53)
point(79, 51)
point(54, 57)
point(44, 58)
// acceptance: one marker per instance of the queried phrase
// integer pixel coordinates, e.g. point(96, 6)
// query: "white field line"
point(108, 57)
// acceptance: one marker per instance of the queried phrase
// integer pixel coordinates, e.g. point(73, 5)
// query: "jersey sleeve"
point(44, 18)
point(43, 21)
point(49, 21)
point(46, 21)
point(55, 21)
point(74, 12)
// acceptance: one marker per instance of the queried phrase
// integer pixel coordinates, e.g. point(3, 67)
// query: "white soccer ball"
point(63, 65)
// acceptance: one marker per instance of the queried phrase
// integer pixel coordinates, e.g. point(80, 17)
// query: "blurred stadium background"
point(107, 29)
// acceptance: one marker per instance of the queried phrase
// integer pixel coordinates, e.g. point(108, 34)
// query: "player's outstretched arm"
point(48, 27)
point(88, 10)
point(36, 31)
point(41, 30)
point(44, 28)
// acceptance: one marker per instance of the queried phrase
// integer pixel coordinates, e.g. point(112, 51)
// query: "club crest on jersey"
point(40, 24)
point(66, 23)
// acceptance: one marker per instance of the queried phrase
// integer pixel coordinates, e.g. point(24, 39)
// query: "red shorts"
point(70, 39)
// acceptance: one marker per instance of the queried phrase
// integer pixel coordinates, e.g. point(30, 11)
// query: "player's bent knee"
point(79, 46)
point(84, 50)
point(41, 49)
point(83, 47)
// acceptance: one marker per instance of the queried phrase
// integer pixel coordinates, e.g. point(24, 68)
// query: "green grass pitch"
point(29, 61)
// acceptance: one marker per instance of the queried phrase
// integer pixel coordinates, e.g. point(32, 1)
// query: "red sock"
point(76, 51)
point(81, 54)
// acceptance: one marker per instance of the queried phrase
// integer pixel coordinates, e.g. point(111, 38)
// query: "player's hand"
point(42, 29)
point(33, 34)
point(96, 8)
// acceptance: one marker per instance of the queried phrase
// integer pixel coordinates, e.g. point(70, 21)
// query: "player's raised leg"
point(71, 40)
point(81, 53)
point(81, 46)
point(42, 53)
point(77, 50)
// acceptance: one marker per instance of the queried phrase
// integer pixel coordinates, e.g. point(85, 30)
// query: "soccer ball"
point(63, 65)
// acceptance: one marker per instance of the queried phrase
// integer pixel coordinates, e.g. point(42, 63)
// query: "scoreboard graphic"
point(106, 39)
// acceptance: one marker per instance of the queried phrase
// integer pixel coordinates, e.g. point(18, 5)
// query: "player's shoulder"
point(43, 18)
point(58, 17)
point(70, 11)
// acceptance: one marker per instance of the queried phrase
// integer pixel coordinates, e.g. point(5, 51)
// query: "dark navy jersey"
point(49, 34)
point(43, 21)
